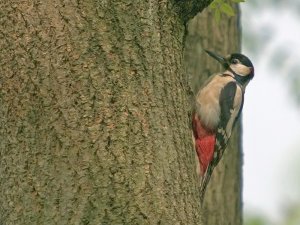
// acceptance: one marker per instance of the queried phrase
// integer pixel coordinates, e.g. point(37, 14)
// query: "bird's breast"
point(207, 101)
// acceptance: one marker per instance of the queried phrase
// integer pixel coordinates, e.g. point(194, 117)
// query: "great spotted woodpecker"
point(218, 105)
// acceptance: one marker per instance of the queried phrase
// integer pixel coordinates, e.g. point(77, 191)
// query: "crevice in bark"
point(189, 9)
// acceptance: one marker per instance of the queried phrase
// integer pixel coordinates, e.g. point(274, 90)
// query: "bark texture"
point(95, 114)
point(223, 199)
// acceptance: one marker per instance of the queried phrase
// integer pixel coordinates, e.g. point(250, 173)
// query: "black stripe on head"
point(242, 58)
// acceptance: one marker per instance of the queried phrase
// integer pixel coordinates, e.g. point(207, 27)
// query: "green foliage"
point(291, 216)
point(223, 6)
point(255, 219)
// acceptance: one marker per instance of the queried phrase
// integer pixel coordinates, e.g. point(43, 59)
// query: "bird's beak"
point(219, 58)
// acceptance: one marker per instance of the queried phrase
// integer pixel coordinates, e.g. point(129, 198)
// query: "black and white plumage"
point(218, 105)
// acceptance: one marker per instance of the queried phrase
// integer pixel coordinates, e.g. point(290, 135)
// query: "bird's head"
point(240, 65)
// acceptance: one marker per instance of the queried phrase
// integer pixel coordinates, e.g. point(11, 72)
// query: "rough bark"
point(223, 200)
point(94, 114)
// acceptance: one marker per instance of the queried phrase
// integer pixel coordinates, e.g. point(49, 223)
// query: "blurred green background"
point(271, 118)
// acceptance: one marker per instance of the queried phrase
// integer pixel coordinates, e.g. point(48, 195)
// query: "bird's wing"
point(231, 103)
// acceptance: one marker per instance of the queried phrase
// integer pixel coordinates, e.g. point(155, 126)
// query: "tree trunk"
point(223, 200)
point(94, 113)
point(95, 117)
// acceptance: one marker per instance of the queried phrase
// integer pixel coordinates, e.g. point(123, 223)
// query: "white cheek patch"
point(241, 69)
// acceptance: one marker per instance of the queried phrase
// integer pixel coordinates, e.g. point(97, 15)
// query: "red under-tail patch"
point(205, 143)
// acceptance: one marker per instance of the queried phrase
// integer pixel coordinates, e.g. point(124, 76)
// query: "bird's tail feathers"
point(204, 181)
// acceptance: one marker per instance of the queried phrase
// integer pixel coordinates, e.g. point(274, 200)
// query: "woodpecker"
point(217, 107)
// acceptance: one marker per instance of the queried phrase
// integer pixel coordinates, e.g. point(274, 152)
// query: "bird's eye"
point(235, 61)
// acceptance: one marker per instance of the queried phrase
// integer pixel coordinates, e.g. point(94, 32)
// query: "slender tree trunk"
point(223, 200)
